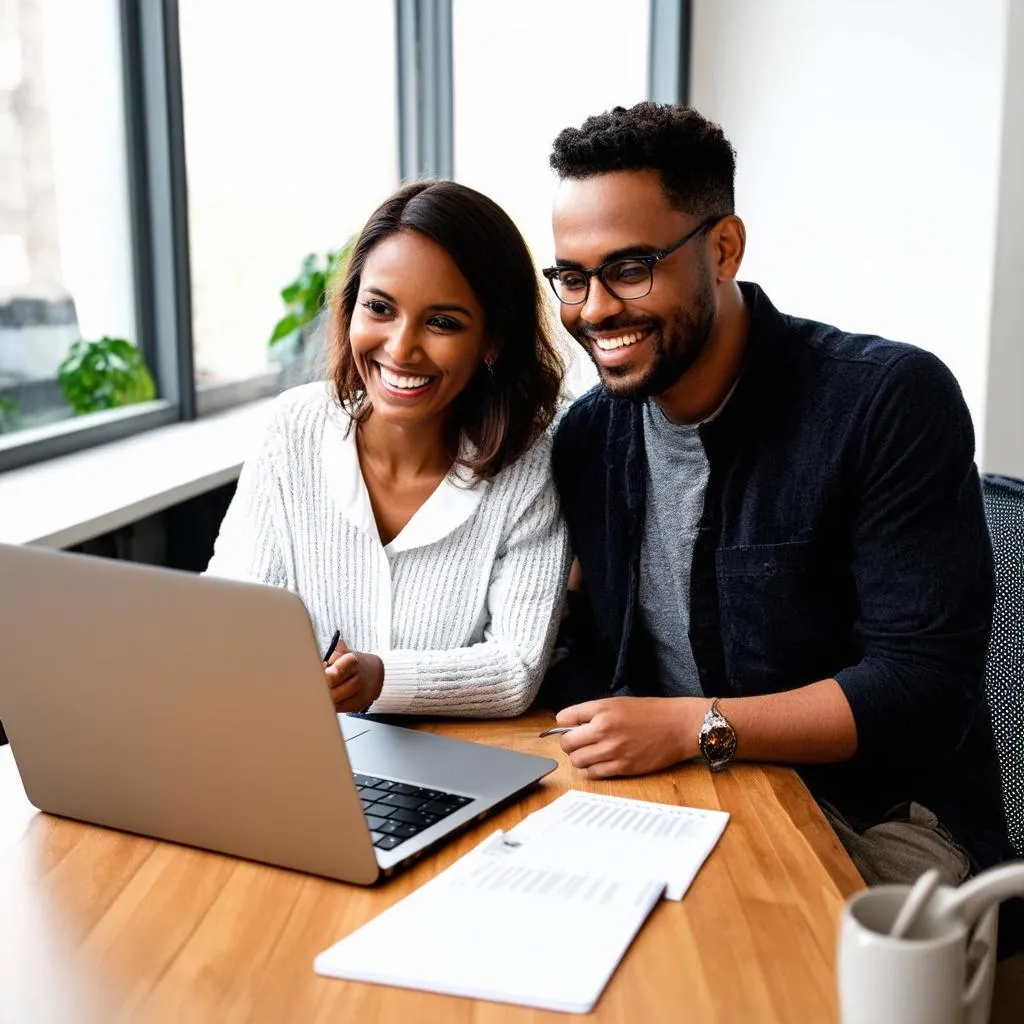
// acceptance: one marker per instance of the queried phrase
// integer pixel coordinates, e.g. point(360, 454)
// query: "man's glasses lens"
point(625, 279)
point(628, 279)
point(570, 285)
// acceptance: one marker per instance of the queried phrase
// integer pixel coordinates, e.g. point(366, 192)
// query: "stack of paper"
point(494, 926)
point(608, 834)
point(541, 915)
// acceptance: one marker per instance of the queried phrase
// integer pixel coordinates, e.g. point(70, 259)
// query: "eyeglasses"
point(630, 278)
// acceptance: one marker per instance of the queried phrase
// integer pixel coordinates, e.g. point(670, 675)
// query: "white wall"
point(868, 141)
point(1004, 448)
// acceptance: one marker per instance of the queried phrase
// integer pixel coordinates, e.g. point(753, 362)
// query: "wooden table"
point(97, 925)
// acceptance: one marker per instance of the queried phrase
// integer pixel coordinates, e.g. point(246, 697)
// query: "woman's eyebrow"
point(451, 307)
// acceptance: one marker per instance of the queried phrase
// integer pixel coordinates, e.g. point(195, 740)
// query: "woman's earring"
point(489, 363)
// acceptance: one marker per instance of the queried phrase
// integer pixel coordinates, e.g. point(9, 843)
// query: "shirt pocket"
point(777, 620)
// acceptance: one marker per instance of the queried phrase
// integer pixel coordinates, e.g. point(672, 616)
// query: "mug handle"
point(981, 951)
point(976, 895)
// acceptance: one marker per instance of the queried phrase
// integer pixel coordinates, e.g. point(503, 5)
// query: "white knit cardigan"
point(461, 606)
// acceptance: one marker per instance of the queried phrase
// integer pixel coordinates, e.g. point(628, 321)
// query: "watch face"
point(718, 743)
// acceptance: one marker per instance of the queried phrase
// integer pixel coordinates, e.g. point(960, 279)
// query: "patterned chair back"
point(1004, 670)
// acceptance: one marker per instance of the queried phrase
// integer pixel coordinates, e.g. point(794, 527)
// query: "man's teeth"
point(394, 380)
point(610, 344)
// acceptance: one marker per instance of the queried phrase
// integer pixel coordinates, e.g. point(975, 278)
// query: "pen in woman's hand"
point(556, 731)
point(334, 644)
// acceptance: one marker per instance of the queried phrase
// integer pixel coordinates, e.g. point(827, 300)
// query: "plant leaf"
point(285, 326)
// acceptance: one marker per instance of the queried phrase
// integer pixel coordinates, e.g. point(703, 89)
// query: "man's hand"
point(355, 679)
point(632, 735)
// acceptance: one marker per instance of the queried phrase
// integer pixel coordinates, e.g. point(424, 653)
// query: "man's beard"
point(677, 346)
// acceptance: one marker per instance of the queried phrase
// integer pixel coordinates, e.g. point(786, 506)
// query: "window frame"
point(669, 61)
point(144, 35)
point(426, 143)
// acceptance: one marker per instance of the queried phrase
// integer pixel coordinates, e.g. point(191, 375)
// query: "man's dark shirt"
point(843, 536)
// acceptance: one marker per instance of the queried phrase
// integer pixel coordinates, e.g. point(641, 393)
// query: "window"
point(66, 259)
point(556, 65)
point(170, 165)
point(291, 140)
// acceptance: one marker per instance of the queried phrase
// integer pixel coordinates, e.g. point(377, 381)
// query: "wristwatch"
point(717, 740)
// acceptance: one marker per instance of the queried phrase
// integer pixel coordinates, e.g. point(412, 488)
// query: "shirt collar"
point(454, 500)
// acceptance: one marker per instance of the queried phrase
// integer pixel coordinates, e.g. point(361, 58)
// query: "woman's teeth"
point(610, 344)
point(395, 380)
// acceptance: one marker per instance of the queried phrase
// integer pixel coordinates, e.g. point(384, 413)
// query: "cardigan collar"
point(451, 503)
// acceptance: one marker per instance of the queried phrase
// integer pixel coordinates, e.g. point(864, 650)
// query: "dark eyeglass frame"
point(651, 260)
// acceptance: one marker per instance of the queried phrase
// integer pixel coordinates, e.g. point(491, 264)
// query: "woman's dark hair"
point(509, 403)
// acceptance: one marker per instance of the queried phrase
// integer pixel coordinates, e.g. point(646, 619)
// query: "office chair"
point(1004, 668)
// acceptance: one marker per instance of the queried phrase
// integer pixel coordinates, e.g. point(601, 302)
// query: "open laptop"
point(195, 709)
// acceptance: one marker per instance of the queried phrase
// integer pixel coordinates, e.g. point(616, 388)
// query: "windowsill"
point(67, 500)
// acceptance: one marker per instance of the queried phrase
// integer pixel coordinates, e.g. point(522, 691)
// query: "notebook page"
point(494, 926)
point(611, 835)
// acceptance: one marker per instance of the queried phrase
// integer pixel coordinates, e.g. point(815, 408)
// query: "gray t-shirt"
point(677, 479)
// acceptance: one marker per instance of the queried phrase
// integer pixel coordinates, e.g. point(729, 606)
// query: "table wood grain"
point(99, 926)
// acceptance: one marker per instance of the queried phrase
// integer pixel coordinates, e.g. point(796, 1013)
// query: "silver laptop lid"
point(186, 708)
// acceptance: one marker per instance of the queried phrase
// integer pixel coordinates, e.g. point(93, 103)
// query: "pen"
point(334, 643)
point(557, 731)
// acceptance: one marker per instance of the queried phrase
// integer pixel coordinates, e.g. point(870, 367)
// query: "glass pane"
point(557, 64)
point(290, 142)
point(65, 238)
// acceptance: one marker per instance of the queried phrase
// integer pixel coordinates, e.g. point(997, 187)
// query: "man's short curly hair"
point(696, 161)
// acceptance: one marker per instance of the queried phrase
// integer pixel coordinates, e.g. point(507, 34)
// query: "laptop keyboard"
point(396, 811)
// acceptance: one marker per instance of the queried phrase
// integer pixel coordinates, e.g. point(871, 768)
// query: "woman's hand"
point(355, 679)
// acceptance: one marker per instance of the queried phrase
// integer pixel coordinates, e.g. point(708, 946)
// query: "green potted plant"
point(10, 419)
point(104, 374)
point(297, 340)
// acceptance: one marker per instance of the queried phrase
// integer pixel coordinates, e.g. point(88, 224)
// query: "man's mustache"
point(613, 323)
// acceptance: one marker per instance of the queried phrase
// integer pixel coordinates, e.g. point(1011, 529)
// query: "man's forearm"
point(811, 725)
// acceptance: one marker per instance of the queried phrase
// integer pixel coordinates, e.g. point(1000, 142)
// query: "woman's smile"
point(403, 385)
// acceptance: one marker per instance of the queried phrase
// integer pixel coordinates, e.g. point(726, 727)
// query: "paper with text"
point(609, 835)
point(495, 925)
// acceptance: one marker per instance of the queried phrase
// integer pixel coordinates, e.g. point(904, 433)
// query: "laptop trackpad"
point(352, 727)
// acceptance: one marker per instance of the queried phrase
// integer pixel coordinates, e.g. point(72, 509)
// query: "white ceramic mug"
point(942, 970)
point(931, 979)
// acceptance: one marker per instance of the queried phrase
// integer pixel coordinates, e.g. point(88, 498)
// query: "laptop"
point(195, 710)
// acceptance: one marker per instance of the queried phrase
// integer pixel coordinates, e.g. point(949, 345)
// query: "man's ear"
point(728, 243)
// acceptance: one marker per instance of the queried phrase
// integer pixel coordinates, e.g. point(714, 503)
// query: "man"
point(778, 525)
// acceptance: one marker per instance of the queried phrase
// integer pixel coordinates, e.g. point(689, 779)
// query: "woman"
point(409, 501)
